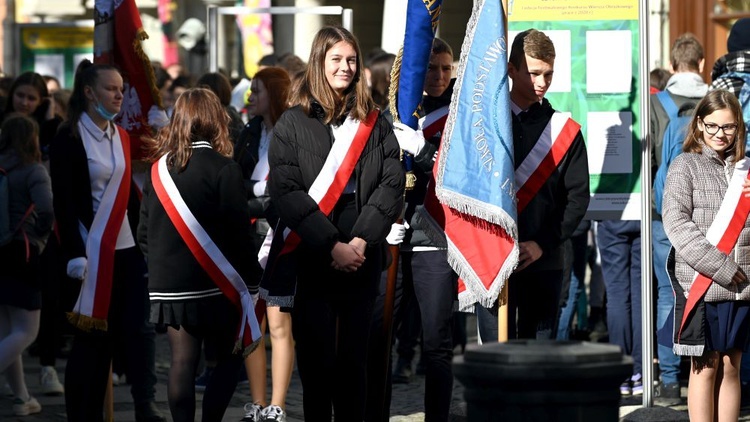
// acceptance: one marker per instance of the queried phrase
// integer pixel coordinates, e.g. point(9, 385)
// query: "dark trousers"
point(88, 366)
point(434, 285)
point(620, 248)
point(53, 283)
point(533, 299)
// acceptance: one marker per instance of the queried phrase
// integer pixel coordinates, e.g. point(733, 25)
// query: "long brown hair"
point(719, 99)
point(21, 133)
point(356, 100)
point(276, 81)
point(198, 116)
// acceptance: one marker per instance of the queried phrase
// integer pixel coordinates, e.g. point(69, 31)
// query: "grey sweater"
point(695, 188)
point(29, 183)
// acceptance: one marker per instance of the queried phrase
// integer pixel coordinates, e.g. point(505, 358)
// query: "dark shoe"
point(667, 394)
point(402, 374)
point(148, 412)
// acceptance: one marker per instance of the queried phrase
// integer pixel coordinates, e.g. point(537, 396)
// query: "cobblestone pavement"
point(406, 403)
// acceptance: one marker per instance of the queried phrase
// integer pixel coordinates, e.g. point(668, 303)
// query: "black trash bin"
point(542, 380)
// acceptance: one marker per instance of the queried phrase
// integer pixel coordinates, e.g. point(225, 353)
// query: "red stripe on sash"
point(702, 283)
point(343, 174)
point(548, 164)
point(192, 243)
point(103, 295)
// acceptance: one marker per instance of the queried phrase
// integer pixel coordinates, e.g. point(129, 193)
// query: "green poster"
point(597, 81)
point(55, 49)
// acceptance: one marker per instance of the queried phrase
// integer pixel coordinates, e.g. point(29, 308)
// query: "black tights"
point(185, 343)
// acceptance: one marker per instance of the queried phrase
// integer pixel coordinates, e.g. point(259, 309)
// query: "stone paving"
point(406, 403)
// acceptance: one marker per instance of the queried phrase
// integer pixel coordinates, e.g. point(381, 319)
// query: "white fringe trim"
point(686, 350)
point(475, 291)
point(276, 301)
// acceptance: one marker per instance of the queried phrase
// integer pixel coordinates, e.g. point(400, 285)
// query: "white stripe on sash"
point(542, 147)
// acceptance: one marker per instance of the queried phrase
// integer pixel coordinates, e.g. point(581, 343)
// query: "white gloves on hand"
point(259, 188)
point(77, 268)
point(409, 140)
point(157, 118)
point(397, 234)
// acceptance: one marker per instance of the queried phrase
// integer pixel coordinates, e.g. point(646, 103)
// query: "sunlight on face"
point(340, 66)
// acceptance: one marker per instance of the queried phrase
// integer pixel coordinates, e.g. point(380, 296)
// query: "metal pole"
point(347, 19)
point(213, 39)
point(647, 321)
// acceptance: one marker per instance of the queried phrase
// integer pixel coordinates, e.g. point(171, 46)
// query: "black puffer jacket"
point(296, 155)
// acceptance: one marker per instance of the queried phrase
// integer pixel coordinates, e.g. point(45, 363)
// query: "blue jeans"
point(575, 263)
point(669, 363)
point(620, 249)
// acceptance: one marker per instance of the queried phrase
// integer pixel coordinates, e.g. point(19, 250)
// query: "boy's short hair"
point(686, 54)
point(535, 44)
point(439, 47)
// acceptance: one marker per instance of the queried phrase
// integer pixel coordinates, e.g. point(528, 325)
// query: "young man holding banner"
point(552, 182)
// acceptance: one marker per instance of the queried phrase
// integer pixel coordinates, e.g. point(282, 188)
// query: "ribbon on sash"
point(92, 307)
point(723, 233)
point(327, 187)
point(434, 122)
point(544, 157)
point(208, 255)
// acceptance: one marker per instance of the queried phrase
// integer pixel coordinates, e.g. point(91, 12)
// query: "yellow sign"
point(62, 37)
point(572, 10)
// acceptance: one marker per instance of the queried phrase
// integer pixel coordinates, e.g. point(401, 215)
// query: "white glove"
point(397, 234)
point(157, 118)
point(409, 140)
point(77, 268)
point(259, 188)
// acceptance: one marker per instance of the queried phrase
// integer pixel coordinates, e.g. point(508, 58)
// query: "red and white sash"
point(92, 307)
point(331, 181)
point(434, 122)
point(544, 157)
point(208, 255)
point(723, 232)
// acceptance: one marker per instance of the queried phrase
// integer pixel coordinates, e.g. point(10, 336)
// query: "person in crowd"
point(194, 171)
point(711, 314)
point(96, 208)
point(380, 78)
point(219, 84)
point(683, 91)
point(178, 85)
point(658, 79)
point(554, 211)
point(29, 96)
point(732, 70)
point(269, 93)
point(337, 183)
point(574, 278)
point(428, 283)
point(31, 217)
point(53, 84)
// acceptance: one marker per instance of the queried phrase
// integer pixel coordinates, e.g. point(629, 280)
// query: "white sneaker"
point(273, 413)
point(24, 408)
point(252, 412)
point(49, 382)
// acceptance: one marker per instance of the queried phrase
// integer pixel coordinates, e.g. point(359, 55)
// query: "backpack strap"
point(668, 103)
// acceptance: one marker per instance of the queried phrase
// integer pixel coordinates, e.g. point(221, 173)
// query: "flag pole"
point(502, 312)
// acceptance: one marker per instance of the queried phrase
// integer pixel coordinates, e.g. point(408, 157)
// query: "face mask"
point(106, 115)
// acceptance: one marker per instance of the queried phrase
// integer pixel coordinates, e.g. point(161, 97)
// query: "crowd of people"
point(275, 200)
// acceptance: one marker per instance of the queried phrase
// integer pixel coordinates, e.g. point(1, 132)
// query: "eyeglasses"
point(713, 128)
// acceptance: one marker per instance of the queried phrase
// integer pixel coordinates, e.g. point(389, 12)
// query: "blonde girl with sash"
point(337, 184)
point(96, 207)
point(705, 217)
point(195, 233)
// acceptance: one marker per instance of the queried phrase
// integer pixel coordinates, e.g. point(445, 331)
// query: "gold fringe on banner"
point(141, 35)
point(85, 322)
point(393, 88)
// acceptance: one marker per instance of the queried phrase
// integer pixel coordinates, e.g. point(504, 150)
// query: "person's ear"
point(511, 70)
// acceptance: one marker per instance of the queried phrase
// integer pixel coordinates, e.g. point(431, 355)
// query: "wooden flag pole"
point(502, 312)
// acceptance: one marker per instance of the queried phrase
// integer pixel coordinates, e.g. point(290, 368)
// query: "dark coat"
point(296, 155)
point(555, 211)
point(211, 186)
point(71, 188)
